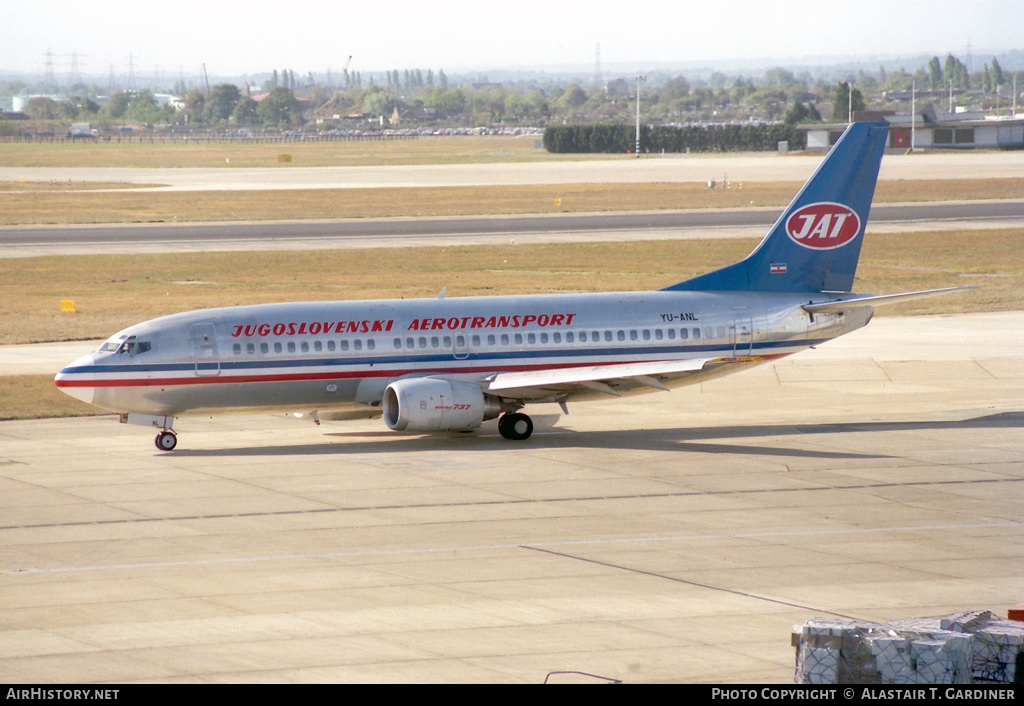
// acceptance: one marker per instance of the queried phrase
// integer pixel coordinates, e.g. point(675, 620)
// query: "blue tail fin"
point(815, 244)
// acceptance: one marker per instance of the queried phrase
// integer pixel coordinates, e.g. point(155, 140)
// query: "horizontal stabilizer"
point(593, 373)
point(847, 304)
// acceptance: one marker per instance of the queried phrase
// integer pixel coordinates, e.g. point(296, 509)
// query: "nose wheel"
point(515, 426)
point(166, 440)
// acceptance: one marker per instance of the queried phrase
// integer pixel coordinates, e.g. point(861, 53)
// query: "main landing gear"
point(515, 426)
point(166, 440)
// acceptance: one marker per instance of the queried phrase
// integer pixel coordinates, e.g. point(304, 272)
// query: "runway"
point(675, 537)
point(31, 241)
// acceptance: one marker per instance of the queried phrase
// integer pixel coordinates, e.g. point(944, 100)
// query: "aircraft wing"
point(597, 376)
point(847, 304)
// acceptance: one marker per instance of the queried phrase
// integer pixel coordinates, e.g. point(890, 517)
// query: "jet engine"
point(437, 404)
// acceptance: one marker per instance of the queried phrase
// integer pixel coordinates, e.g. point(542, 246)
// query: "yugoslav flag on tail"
point(815, 244)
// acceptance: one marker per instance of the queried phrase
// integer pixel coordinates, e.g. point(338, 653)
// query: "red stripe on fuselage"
point(302, 377)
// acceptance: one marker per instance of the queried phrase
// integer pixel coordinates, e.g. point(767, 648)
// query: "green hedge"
point(619, 139)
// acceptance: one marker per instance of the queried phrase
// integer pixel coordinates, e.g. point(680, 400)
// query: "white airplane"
point(451, 364)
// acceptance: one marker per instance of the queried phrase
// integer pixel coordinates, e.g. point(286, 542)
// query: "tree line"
point(776, 95)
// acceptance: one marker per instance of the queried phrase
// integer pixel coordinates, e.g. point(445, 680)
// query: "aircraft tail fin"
point(815, 244)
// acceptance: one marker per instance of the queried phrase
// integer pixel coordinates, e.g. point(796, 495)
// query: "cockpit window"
point(126, 345)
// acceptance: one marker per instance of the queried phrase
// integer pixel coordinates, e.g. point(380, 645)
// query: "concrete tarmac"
point(675, 537)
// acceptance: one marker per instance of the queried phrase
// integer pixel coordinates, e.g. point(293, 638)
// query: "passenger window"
point(264, 348)
point(398, 343)
point(423, 341)
point(608, 336)
point(696, 333)
point(305, 346)
point(277, 347)
point(237, 349)
point(330, 345)
point(476, 341)
point(633, 335)
point(671, 334)
point(371, 345)
point(250, 348)
point(531, 338)
point(291, 346)
point(519, 339)
point(721, 331)
point(344, 345)
point(447, 341)
point(544, 337)
point(491, 340)
point(557, 337)
point(318, 346)
point(621, 335)
point(357, 344)
point(504, 339)
point(583, 336)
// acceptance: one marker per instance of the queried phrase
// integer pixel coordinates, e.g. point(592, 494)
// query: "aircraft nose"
point(73, 380)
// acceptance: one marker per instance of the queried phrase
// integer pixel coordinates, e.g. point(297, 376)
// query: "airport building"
point(931, 128)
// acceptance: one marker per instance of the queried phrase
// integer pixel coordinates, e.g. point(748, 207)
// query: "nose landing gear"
point(166, 440)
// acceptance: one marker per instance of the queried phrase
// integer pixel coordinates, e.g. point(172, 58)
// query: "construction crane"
point(334, 104)
point(345, 70)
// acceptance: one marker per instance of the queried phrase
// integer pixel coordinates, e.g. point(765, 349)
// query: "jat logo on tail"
point(823, 225)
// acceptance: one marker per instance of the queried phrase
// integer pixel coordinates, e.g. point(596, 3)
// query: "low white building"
point(931, 128)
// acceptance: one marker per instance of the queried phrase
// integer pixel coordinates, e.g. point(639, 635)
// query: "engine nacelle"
point(435, 404)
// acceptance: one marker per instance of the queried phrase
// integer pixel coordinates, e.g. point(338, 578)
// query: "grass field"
point(431, 150)
point(113, 291)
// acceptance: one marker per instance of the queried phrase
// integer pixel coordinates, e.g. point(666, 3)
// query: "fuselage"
point(342, 355)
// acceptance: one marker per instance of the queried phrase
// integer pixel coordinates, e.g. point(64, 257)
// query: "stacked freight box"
point(998, 645)
point(964, 648)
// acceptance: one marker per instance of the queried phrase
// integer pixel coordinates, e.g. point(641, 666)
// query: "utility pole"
point(913, 114)
point(638, 78)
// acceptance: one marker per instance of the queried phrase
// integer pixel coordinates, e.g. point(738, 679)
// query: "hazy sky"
point(178, 36)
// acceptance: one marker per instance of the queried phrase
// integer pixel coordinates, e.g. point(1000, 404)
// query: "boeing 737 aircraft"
point(452, 364)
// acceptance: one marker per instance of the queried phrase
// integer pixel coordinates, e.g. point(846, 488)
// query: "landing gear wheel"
point(166, 440)
point(515, 426)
